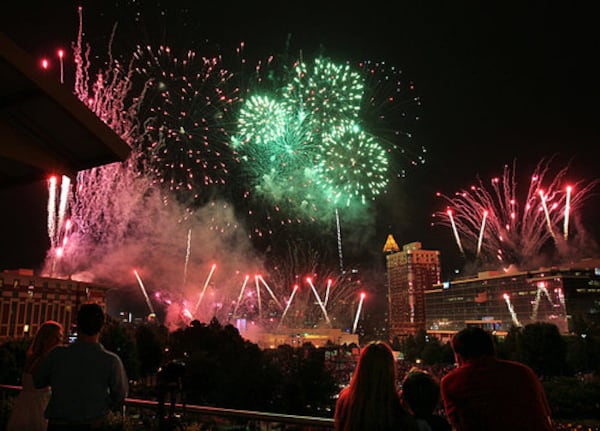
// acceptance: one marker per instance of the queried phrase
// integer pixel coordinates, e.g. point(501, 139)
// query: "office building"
point(497, 301)
point(29, 300)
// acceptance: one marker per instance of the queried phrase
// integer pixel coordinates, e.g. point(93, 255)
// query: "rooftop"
point(46, 129)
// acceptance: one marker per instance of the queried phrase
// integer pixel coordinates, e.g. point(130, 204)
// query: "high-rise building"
point(410, 272)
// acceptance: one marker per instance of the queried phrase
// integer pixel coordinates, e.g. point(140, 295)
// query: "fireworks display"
point(285, 141)
point(184, 108)
point(318, 137)
point(222, 155)
point(325, 91)
point(351, 166)
point(58, 228)
point(495, 224)
point(315, 300)
point(389, 112)
point(320, 292)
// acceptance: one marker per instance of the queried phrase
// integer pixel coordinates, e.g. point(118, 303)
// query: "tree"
point(583, 353)
point(150, 340)
point(222, 369)
point(510, 347)
point(432, 352)
point(12, 360)
point(544, 349)
point(118, 338)
point(316, 383)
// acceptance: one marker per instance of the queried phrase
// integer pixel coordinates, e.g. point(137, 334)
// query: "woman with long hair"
point(30, 404)
point(371, 401)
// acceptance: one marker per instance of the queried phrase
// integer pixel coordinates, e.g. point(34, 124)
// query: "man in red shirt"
point(488, 394)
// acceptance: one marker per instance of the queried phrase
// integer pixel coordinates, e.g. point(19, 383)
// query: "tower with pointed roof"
point(410, 272)
point(390, 246)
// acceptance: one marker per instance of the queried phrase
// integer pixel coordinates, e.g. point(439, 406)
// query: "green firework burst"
point(352, 166)
point(327, 91)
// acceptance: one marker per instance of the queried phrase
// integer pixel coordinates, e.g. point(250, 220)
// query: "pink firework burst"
point(493, 224)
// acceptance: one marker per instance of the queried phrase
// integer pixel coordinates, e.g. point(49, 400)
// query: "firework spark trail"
point(212, 269)
point(237, 304)
point(143, 289)
point(358, 309)
point(561, 299)
point(541, 288)
point(262, 280)
point(312, 286)
point(52, 211)
point(339, 244)
point(81, 65)
point(536, 304)
point(287, 306)
point(61, 54)
point(455, 231)
point(567, 213)
point(327, 292)
point(514, 234)
point(480, 239)
point(258, 296)
point(547, 214)
point(65, 187)
point(58, 233)
point(511, 309)
point(68, 225)
point(56, 217)
point(108, 95)
point(188, 314)
point(187, 255)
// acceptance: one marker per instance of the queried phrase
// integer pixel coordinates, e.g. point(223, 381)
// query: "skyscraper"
point(409, 273)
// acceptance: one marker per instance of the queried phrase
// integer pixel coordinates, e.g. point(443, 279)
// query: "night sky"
point(498, 82)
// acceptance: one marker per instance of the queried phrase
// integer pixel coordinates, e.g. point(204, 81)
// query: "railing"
point(141, 415)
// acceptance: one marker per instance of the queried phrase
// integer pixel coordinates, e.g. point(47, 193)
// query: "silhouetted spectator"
point(421, 397)
point(87, 381)
point(486, 393)
point(170, 388)
point(371, 401)
point(28, 411)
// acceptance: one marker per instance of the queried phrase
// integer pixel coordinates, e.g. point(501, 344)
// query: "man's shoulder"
point(451, 376)
point(511, 363)
point(514, 366)
point(460, 369)
point(58, 351)
point(110, 354)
